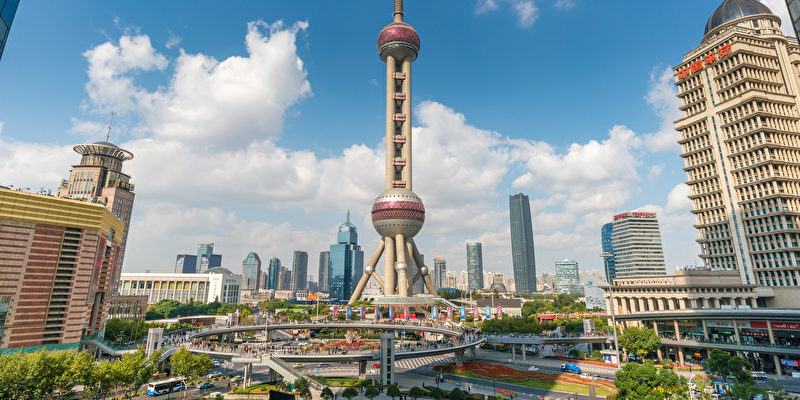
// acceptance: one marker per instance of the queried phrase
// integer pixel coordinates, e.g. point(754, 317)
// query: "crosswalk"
point(414, 363)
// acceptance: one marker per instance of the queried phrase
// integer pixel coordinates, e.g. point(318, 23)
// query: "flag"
point(463, 313)
point(488, 312)
point(449, 313)
point(499, 312)
point(391, 312)
point(335, 312)
point(377, 313)
point(361, 312)
point(475, 312)
point(405, 311)
point(349, 312)
point(434, 312)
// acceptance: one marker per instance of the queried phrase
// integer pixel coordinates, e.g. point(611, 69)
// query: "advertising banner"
point(463, 314)
point(361, 312)
point(434, 312)
point(488, 312)
point(391, 313)
point(405, 312)
point(377, 313)
point(449, 313)
point(349, 313)
point(335, 312)
point(499, 312)
point(475, 312)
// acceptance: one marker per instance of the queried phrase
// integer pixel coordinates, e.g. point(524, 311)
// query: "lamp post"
point(613, 305)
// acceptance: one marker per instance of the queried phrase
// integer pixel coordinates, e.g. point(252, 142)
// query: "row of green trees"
point(54, 374)
point(557, 304)
point(531, 324)
point(172, 309)
point(121, 331)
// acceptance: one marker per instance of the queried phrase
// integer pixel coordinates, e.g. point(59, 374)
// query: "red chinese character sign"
point(704, 61)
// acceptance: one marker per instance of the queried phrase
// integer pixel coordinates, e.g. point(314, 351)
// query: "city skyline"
point(290, 214)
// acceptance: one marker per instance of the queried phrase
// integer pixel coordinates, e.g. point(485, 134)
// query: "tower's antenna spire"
point(348, 217)
point(398, 10)
point(108, 132)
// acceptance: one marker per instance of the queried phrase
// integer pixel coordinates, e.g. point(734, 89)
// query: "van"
point(759, 375)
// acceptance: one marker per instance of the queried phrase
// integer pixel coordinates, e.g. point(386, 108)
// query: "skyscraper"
point(99, 179)
point(324, 265)
point(398, 213)
point(185, 264)
point(738, 134)
point(439, 272)
point(451, 279)
point(274, 273)
point(636, 241)
point(206, 258)
point(8, 8)
point(299, 270)
point(346, 262)
point(58, 260)
point(474, 266)
point(522, 255)
point(251, 272)
point(794, 14)
point(285, 279)
point(567, 281)
point(607, 241)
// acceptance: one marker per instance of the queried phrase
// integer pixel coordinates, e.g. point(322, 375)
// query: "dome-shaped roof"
point(498, 286)
point(219, 270)
point(733, 9)
point(398, 39)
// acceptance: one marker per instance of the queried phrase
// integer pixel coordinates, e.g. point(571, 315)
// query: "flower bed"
point(511, 375)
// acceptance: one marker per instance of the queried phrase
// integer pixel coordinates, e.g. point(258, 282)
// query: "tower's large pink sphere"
point(399, 40)
point(398, 211)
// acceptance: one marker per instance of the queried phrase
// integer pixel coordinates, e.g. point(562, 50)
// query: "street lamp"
point(612, 305)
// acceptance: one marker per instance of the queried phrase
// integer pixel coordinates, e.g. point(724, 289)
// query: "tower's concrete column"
point(390, 145)
point(459, 357)
point(389, 277)
point(407, 123)
point(387, 358)
point(401, 266)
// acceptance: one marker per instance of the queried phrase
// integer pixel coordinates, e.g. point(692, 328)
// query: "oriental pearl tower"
point(397, 213)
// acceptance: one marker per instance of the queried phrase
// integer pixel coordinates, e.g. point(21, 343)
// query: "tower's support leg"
point(401, 266)
point(369, 270)
point(459, 357)
point(423, 271)
point(388, 271)
point(379, 280)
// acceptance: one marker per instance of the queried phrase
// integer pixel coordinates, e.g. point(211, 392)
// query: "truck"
point(570, 368)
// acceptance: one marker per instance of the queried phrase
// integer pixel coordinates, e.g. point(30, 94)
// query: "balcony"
point(399, 75)
point(399, 96)
point(399, 117)
point(399, 184)
point(399, 161)
point(399, 139)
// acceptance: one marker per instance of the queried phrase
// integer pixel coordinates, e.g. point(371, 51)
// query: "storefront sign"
point(776, 325)
point(704, 61)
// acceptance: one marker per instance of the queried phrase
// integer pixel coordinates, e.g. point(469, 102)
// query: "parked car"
point(213, 375)
point(533, 368)
point(205, 385)
point(216, 363)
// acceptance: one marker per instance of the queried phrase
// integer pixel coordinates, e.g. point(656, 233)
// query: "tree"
point(371, 392)
point(327, 393)
point(645, 382)
point(139, 368)
point(415, 392)
point(701, 384)
point(457, 394)
point(724, 365)
point(640, 341)
point(100, 381)
point(393, 391)
point(436, 393)
point(305, 394)
point(300, 384)
point(189, 366)
point(349, 393)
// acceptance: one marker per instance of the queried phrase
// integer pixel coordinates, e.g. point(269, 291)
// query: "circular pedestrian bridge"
point(327, 324)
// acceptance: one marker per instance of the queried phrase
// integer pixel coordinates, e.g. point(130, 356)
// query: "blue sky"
point(256, 125)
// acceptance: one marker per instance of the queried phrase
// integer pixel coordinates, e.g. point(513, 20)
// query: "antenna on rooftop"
point(108, 132)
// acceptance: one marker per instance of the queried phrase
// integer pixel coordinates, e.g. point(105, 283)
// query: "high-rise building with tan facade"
point(740, 142)
point(99, 179)
point(58, 259)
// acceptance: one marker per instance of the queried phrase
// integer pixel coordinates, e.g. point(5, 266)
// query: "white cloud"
point(484, 6)
point(526, 11)
point(33, 165)
point(88, 129)
point(173, 41)
point(564, 4)
point(662, 97)
point(208, 102)
point(779, 8)
point(655, 172)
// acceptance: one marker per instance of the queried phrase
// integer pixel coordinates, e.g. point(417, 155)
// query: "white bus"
point(164, 387)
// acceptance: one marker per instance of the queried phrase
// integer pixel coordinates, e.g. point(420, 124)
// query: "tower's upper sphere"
point(734, 9)
point(399, 40)
point(398, 211)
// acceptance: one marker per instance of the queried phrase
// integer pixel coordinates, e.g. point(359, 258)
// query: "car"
point(324, 364)
point(299, 365)
point(213, 375)
point(533, 368)
point(205, 385)
point(236, 379)
point(586, 376)
point(759, 375)
point(216, 363)
point(570, 368)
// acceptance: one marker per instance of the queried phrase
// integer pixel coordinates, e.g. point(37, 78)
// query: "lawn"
point(344, 382)
point(262, 388)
